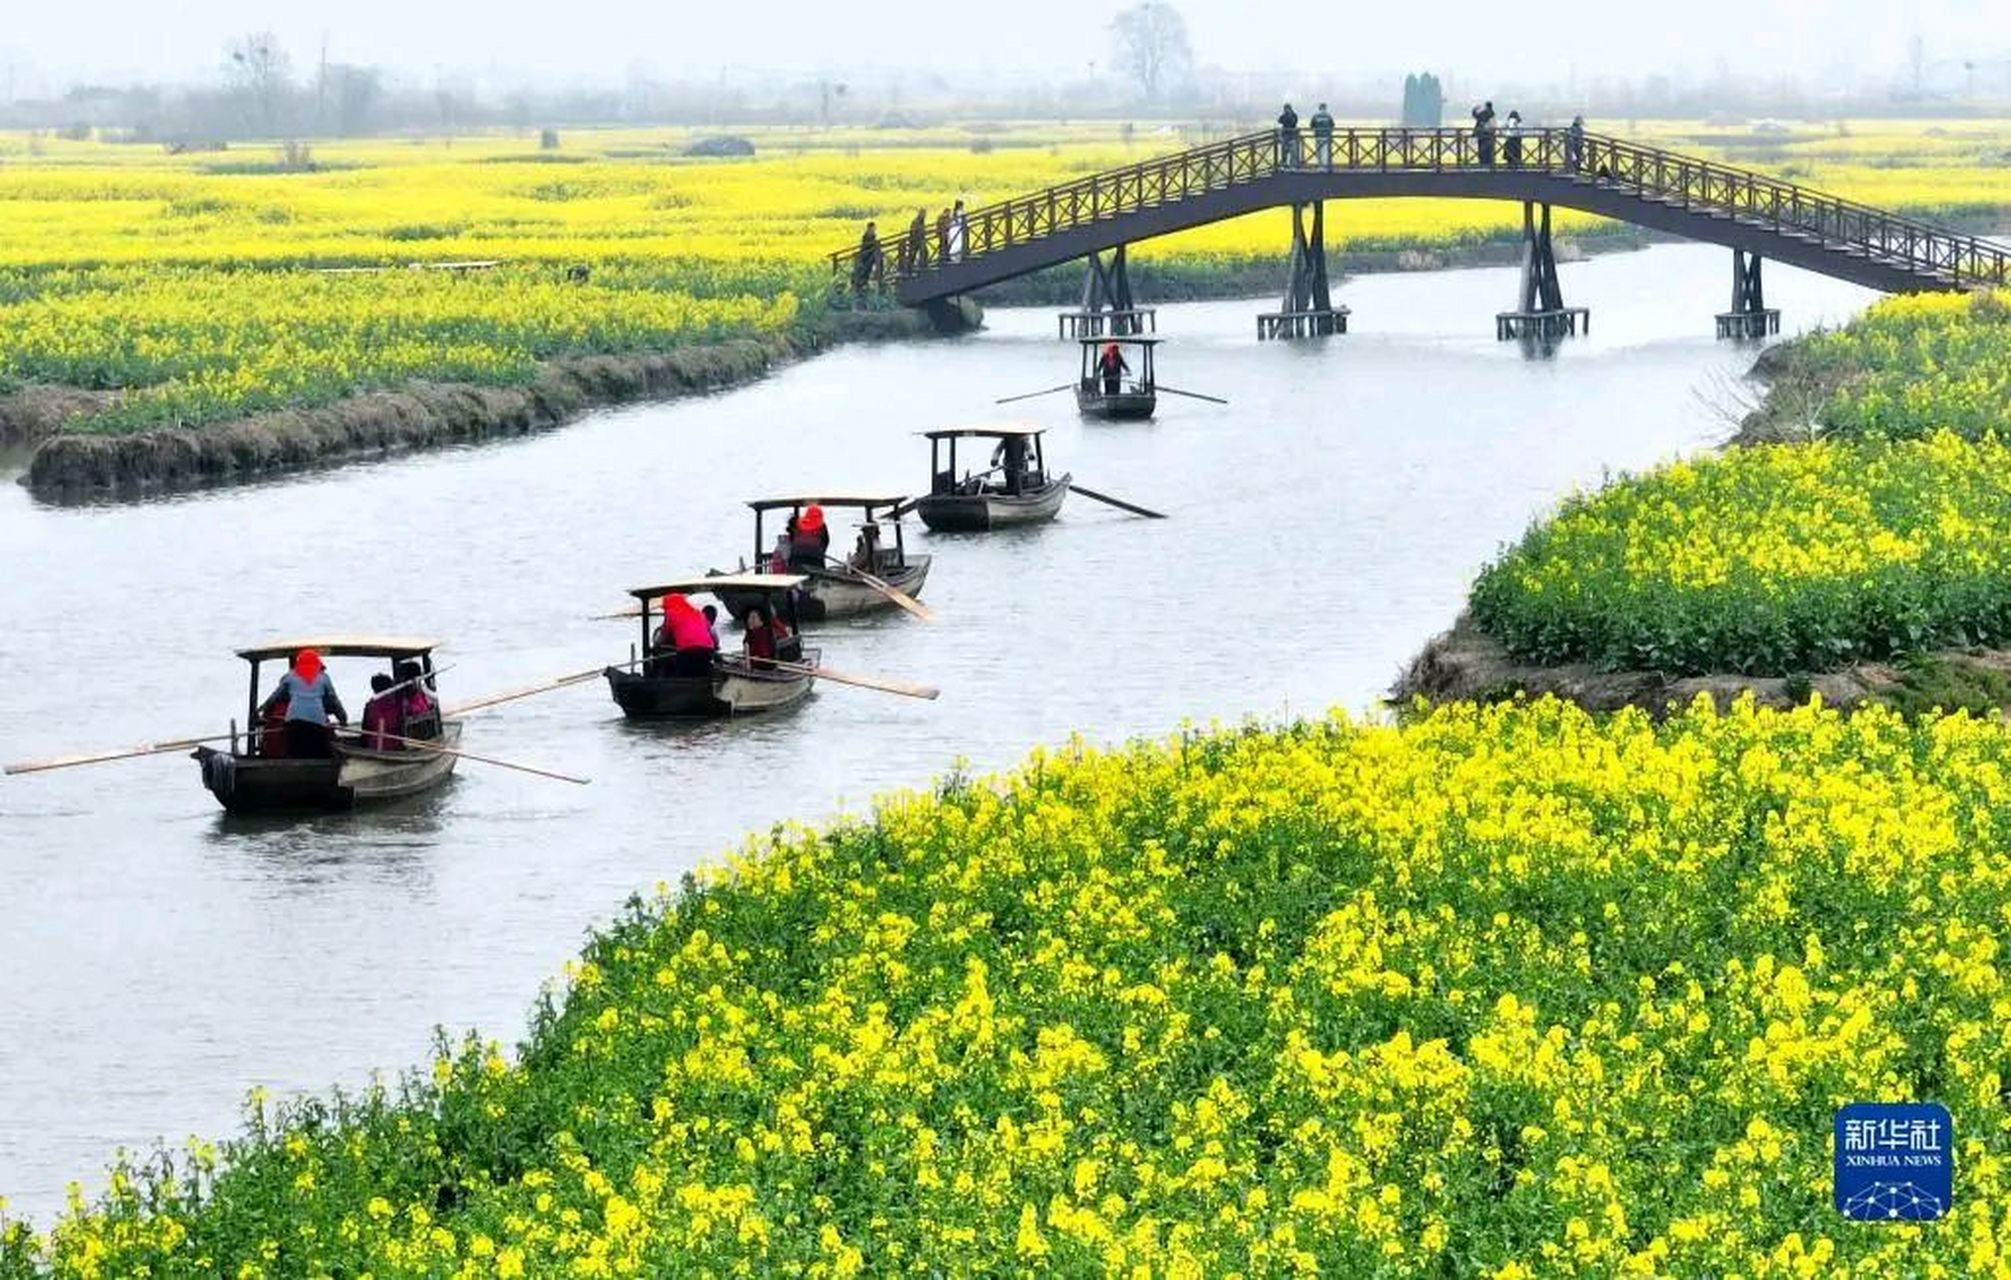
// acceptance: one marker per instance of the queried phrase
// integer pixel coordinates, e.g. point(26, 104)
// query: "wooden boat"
point(1015, 489)
point(1127, 397)
point(649, 688)
point(833, 587)
point(255, 776)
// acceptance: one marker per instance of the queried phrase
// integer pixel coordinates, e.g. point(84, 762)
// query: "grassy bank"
point(421, 414)
point(1498, 992)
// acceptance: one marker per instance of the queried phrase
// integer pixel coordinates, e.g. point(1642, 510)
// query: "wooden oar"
point(886, 589)
point(100, 757)
point(1191, 395)
point(543, 686)
point(423, 744)
point(1066, 386)
point(173, 744)
point(882, 683)
point(1116, 502)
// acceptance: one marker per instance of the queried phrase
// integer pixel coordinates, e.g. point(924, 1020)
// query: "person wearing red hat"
point(811, 542)
point(309, 697)
point(1112, 366)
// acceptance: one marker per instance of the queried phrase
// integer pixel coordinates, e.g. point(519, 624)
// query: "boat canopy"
point(1122, 340)
point(342, 646)
point(822, 500)
point(988, 430)
point(729, 581)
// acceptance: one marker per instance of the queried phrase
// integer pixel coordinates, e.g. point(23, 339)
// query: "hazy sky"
point(1536, 42)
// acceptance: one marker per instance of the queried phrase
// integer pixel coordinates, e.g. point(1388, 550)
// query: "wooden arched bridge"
point(1751, 213)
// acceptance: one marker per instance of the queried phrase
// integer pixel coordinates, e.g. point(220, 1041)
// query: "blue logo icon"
point(1895, 1161)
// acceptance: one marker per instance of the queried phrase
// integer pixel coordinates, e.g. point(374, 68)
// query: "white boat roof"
point(826, 500)
point(994, 430)
point(729, 581)
point(352, 645)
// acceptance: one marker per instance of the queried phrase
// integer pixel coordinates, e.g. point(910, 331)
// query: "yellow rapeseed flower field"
point(1504, 992)
point(97, 239)
point(1883, 537)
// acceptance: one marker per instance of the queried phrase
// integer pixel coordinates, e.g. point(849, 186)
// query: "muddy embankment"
point(1465, 664)
point(420, 415)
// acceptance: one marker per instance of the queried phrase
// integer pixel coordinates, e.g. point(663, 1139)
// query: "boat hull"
point(1125, 406)
point(978, 512)
point(829, 594)
point(730, 690)
point(353, 778)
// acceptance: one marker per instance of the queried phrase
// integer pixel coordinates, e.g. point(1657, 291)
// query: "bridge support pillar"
point(1750, 316)
point(1309, 310)
point(1540, 312)
point(1107, 304)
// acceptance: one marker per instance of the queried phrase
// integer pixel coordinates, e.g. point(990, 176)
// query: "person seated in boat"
point(778, 562)
point(866, 552)
point(383, 715)
point(811, 542)
point(1112, 366)
point(685, 638)
point(310, 698)
point(767, 636)
point(272, 731)
point(711, 613)
point(418, 713)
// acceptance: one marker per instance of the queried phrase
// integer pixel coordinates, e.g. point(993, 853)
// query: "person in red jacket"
point(685, 638)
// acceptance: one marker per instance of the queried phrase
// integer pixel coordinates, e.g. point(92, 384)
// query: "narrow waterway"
point(161, 961)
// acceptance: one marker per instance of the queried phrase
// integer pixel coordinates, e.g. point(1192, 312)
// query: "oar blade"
point(887, 589)
point(528, 691)
point(1191, 395)
point(1032, 395)
point(106, 757)
point(1119, 503)
point(882, 684)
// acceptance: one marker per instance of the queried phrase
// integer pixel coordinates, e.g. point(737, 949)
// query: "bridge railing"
point(1649, 173)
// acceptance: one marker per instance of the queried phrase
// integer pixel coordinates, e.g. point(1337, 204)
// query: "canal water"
point(161, 961)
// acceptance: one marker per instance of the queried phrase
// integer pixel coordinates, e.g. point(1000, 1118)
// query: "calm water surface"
point(160, 961)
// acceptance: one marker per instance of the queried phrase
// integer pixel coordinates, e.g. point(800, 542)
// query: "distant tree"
point(356, 91)
point(1424, 102)
point(259, 73)
point(827, 94)
point(1152, 44)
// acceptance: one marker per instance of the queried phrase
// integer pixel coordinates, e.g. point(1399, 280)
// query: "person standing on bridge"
point(1512, 148)
point(1323, 138)
point(1483, 131)
point(1288, 138)
point(1574, 144)
point(959, 232)
point(943, 237)
point(915, 251)
point(868, 263)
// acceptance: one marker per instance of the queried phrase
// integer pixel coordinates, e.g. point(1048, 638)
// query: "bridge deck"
point(1683, 195)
